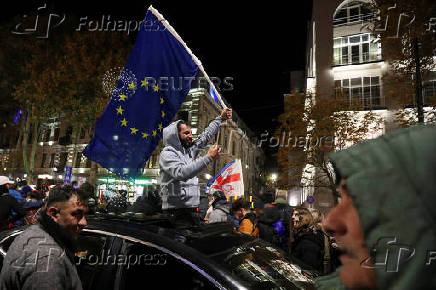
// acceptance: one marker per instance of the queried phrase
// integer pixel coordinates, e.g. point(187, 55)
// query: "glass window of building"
point(52, 159)
point(355, 49)
point(44, 157)
point(352, 12)
point(363, 90)
point(47, 133)
point(78, 159)
point(56, 134)
point(429, 92)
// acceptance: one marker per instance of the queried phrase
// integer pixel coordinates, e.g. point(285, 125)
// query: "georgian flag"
point(229, 180)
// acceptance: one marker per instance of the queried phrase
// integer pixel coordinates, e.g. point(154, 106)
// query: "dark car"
point(132, 253)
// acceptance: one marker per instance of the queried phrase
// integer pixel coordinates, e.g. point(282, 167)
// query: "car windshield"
point(264, 267)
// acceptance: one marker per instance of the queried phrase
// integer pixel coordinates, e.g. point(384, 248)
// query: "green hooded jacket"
point(392, 181)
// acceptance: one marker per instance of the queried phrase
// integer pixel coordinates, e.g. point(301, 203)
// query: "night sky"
point(256, 45)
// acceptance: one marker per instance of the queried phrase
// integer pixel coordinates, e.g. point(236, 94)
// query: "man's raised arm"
point(211, 130)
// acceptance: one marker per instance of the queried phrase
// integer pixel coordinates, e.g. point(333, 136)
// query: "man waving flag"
point(154, 83)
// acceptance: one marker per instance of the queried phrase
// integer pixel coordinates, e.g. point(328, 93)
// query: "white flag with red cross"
point(229, 180)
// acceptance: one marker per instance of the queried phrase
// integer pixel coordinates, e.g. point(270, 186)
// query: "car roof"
point(207, 239)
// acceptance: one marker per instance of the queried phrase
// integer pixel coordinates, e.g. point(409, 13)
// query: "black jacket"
point(267, 231)
point(308, 248)
point(8, 204)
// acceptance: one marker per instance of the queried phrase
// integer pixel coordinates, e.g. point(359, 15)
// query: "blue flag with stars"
point(150, 90)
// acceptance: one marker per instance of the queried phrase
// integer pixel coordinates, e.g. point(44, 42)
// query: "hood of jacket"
point(171, 136)
point(392, 182)
point(270, 215)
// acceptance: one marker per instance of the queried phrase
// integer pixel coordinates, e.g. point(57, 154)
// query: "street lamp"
point(274, 177)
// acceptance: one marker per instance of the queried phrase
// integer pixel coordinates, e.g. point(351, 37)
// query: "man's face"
point(240, 213)
point(185, 135)
point(343, 221)
point(71, 215)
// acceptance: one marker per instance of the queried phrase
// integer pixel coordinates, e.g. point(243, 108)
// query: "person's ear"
point(53, 212)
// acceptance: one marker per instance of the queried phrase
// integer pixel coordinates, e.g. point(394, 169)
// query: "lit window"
point(363, 91)
point(355, 49)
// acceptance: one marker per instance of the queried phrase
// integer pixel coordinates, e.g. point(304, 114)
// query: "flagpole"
point(194, 58)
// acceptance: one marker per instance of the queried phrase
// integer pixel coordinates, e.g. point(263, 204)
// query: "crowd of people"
point(386, 189)
point(296, 230)
point(18, 203)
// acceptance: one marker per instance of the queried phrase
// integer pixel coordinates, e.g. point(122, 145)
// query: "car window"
point(91, 261)
point(264, 267)
point(154, 266)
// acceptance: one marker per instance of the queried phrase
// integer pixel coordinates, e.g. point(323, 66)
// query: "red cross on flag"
point(229, 180)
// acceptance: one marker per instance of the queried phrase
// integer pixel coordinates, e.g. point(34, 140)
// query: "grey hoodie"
point(178, 167)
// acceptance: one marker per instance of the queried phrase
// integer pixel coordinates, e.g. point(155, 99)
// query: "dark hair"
point(240, 203)
point(62, 194)
point(87, 190)
point(35, 195)
point(182, 122)
point(22, 182)
point(219, 195)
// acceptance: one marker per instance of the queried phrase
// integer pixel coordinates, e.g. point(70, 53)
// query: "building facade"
point(344, 58)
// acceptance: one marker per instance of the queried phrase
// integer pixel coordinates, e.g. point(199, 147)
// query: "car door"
point(144, 264)
point(93, 247)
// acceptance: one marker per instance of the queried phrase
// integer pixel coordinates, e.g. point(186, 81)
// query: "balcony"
point(357, 59)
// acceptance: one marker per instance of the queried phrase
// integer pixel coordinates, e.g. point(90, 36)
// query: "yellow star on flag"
point(132, 86)
point(120, 110)
point(156, 88)
point(160, 127)
point(133, 130)
point(161, 100)
point(145, 135)
point(163, 114)
point(123, 97)
point(144, 83)
point(124, 122)
point(154, 133)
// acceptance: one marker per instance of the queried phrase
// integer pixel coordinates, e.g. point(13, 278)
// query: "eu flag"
point(150, 90)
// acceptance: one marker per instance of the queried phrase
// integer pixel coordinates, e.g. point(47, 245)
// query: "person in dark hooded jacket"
point(385, 221)
point(221, 208)
point(271, 228)
point(8, 205)
point(307, 247)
